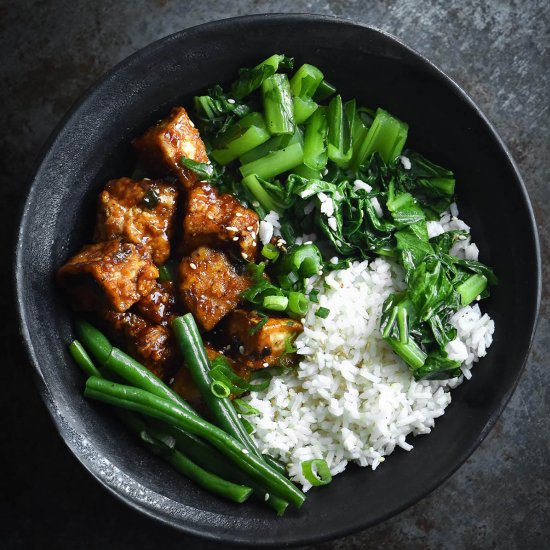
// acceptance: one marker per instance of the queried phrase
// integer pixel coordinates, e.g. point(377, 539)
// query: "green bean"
point(124, 366)
point(82, 359)
point(211, 482)
point(130, 370)
point(146, 403)
point(223, 413)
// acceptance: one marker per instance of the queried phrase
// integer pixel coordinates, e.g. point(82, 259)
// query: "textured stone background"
point(52, 51)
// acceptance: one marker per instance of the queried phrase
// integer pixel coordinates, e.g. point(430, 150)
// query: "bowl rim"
point(22, 314)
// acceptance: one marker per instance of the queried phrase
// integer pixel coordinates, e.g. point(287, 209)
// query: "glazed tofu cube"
point(265, 346)
point(140, 212)
point(212, 219)
point(161, 148)
point(158, 307)
point(112, 275)
point(150, 344)
point(209, 286)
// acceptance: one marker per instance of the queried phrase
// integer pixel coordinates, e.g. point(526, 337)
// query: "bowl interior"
point(93, 144)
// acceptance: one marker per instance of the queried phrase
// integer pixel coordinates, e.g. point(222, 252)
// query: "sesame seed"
point(244, 255)
point(231, 228)
point(266, 364)
point(241, 350)
point(308, 242)
point(235, 238)
point(245, 451)
point(232, 101)
point(250, 228)
point(191, 123)
point(254, 243)
point(210, 216)
point(171, 381)
point(193, 266)
point(253, 234)
point(238, 214)
point(266, 497)
point(255, 204)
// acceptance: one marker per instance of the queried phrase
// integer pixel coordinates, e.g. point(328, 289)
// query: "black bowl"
point(92, 144)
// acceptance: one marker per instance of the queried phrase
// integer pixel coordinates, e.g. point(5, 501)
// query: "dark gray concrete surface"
point(50, 52)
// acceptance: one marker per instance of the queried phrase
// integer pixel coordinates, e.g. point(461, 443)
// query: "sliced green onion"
point(245, 408)
point(258, 326)
point(314, 296)
point(297, 303)
point(150, 199)
point(322, 312)
point(276, 303)
point(247, 425)
point(270, 252)
point(303, 259)
point(219, 389)
point(278, 108)
point(317, 472)
point(204, 170)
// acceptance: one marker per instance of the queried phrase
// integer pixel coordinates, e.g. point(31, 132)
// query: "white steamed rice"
point(351, 399)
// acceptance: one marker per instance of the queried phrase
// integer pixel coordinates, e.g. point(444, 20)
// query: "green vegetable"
point(209, 481)
point(82, 359)
point(276, 303)
point(270, 252)
point(275, 163)
point(340, 132)
point(243, 136)
point(305, 81)
point(471, 288)
point(303, 85)
point(297, 303)
point(191, 347)
point(146, 403)
point(317, 472)
point(275, 143)
point(156, 442)
point(386, 136)
point(150, 199)
point(315, 154)
point(324, 91)
point(204, 170)
point(251, 79)
point(322, 312)
point(278, 107)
